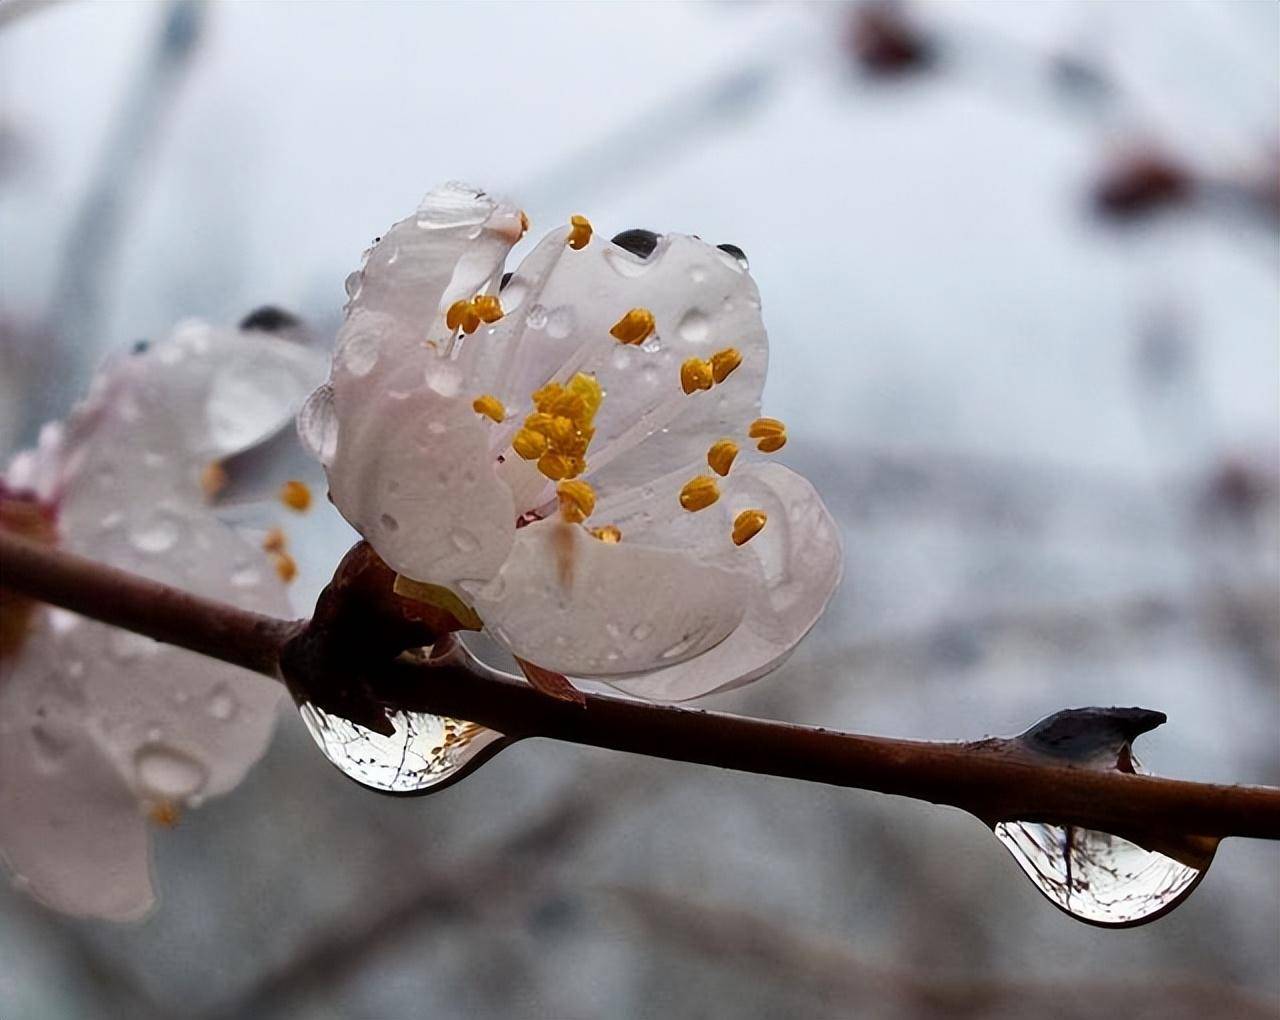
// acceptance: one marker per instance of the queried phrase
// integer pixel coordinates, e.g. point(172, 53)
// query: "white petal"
point(416, 478)
point(560, 307)
point(571, 603)
point(800, 558)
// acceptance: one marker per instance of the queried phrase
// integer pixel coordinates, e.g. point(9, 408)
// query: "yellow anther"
point(556, 466)
point(274, 541)
point(470, 319)
point(165, 813)
point(490, 406)
point(588, 388)
point(560, 431)
point(724, 362)
point(488, 307)
point(634, 327)
point(524, 223)
point(579, 232)
point(769, 433)
point(747, 525)
point(286, 566)
point(295, 495)
point(529, 444)
point(213, 479)
point(699, 493)
point(609, 534)
point(720, 456)
point(695, 374)
point(453, 317)
point(577, 500)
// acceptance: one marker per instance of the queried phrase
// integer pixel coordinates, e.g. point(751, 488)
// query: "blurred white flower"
point(578, 453)
point(101, 730)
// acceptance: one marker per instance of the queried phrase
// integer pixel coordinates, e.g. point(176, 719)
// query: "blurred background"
point(1019, 266)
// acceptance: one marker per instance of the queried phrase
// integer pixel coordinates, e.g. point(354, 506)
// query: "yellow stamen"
point(577, 500)
point(274, 540)
point(488, 307)
point(634, 327)
point(286, 566)
point(490, 406)
point(453, 317)
point(724, 362)
point(747, 525)
point(695, 374)
point(470, 319)
point(524, 223)
point(609, 534)
point(529, 444)
point(699, 493)
point(770, 434)
point(164, 813)
point(556, 466)
point(579, 232)
point(295, 495)
point(720, 456)
point(213, 479)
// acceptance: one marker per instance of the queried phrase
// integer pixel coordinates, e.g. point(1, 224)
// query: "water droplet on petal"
point(560, 323)
point(695, 327)
point(359, 352)
point(537, 317)
point(126, 645)
point(354, 283)
point(464, 541)
point(164, 771)
point(157, 534)
point(318, 425)
point(222, 703)
point(426, 752)
point(454, 205)
point(1097, 877)
point(641, 631)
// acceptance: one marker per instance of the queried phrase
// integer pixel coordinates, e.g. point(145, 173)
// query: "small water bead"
point(165, 771)
point(245, 577)
point(222, 703)
point(464, 541)
point(638, 241)
point(354, 284)
point(641, 631)
point(318, 425)
point(560, 323)
point(426, 752)
point(738, 255)
point(455, 205)
point(158, 534)
point(359, 354)
point(537, 317)
point(695, 326)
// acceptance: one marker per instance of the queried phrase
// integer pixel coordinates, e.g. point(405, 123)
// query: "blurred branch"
point(992, 779)
point(828, 967)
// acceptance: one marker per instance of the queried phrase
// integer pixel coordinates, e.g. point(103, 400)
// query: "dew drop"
point(318, 425)
point(641, 631)
point(126, 646)
point(359, 353)
point(245, 577)
point(1097, 877)
point(354, 284)
point(560, 323)
point(464, 541)
point(222, 703)
point(164, 771)
point(626, 264)
point(157, 534)
point(537, 317)
point(695, 327)
point(454, 205)
point(426, 753)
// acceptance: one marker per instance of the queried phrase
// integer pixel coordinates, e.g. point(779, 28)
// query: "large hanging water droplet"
point(318, 425)
point(454, 205)
point(1097, 877)
point(164, 771)
point(426, 752)
point(694, 327)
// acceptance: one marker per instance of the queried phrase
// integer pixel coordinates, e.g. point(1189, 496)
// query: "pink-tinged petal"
point(800, 561)
point(415, 477)
point(571, 603)
point(560, 306)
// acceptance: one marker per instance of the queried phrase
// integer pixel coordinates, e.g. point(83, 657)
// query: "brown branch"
point(992, 779)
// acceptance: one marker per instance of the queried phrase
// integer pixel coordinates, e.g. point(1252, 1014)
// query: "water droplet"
point(698, 275)
point(318, 425)
point(695, 327)
point(454, 205)
point(354, 283)
point(126, 645)
point(426, 752)
point(222, 703)
point(626, 264)
point(638, 241)
point(359, 352)
point(622, 357)
point(537, 317)
point(389, 523)
point(245, 576)
point(62, 622)
point(560, 323)
point(464, 541)
point(641, 631)
point(164, 771)
point(158, 533)
point(112, 520)
point(737, 254)
point(1097, 877)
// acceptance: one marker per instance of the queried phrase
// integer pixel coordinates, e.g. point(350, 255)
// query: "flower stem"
point(992, 779)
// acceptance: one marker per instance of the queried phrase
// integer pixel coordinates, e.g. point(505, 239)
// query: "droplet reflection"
point(426, 753)
point(1097, 877)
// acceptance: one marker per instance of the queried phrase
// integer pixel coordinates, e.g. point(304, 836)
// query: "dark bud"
point(269, 319)
point(737, 253)
point(884, 42)
point(1142, 183)
point(638, 241)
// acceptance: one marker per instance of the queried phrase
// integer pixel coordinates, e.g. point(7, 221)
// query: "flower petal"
point(571, 603)
point(800, 559)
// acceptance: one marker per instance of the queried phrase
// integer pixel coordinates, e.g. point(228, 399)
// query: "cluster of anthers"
point(559, 430)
